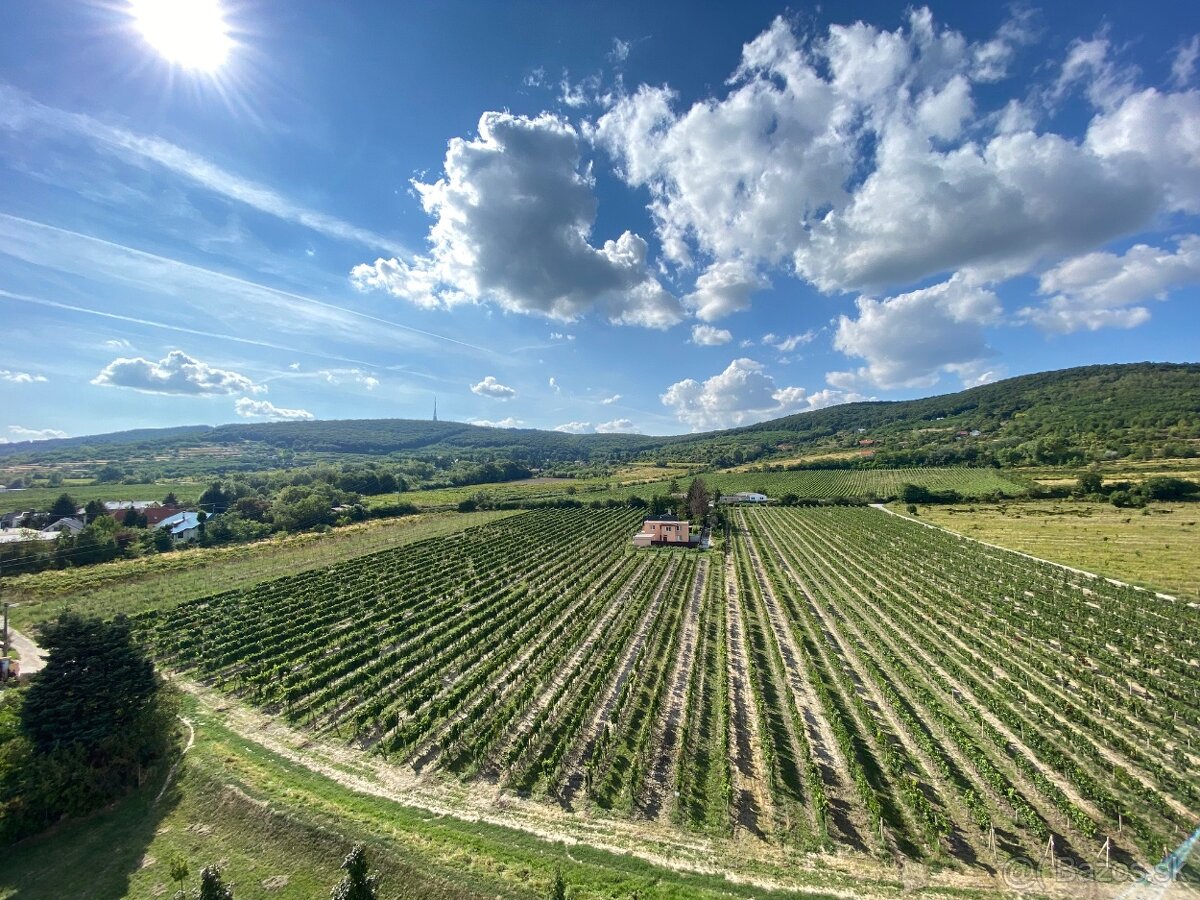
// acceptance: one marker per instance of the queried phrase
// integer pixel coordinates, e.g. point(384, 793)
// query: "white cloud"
point(616, 426)
point(513, 213)
point(742, 394)
point(19, 112)
point(575, 427)
point(862, 159)
point(554, 385)
point(723, 289)
point(1100, 290)
point(21, 433)
point(264, 409)
point(620, 50)
point(118, 344)
point(1183, 67)
point(909, 339)
point(507, 422)
point(337, 376)
point(295, 367)
point(560, 336)
point(20, 377)
point(708, 336)
point(490, 387)
point(788, 343)
point(176, 373)
point(608, 401)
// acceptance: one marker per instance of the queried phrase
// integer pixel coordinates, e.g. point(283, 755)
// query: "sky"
point(596, 217)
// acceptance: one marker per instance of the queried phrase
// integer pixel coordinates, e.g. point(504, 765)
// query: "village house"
point(183, 526)
point(665, 531)
point(745, 497)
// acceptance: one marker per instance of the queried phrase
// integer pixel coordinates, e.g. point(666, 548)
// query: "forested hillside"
point(1050, 418)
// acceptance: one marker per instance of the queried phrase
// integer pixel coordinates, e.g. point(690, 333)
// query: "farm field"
point(869, 483)
point(823, 483)
point(149, 582)
point(1157, 547)
point(841, 680)
point(1117, 470)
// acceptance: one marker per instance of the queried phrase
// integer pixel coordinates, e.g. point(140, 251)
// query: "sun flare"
point(190, 33)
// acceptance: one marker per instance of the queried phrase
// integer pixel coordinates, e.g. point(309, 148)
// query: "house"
point(866, 442)
point(665, 531)
point(183, 526)
point(14, 519)
point(745, 497)
point(70, 526)
point(13, 535)
point(156, 515)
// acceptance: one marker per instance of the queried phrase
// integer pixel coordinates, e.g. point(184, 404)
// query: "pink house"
point(664, 531)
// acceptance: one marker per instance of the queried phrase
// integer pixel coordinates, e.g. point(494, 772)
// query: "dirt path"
point(666, 732)
point(175, 768)
point(33, 657)
point(752, 805)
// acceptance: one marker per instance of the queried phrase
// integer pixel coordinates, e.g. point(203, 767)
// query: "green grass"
point(270, 822)
point(1157, 549)
point(188, 492)
point(164, 580)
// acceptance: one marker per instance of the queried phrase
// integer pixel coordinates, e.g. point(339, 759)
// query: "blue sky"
point(596, 217)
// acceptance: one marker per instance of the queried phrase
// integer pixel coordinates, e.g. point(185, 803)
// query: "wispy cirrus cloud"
point(20, 112)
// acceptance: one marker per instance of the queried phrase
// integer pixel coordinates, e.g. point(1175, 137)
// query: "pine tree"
point(212, 887)
point(356, 884)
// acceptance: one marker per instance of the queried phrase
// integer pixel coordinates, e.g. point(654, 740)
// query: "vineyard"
point(838, 678)
point(870, 483)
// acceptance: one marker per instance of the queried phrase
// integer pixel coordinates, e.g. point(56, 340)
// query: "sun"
point(189, 33)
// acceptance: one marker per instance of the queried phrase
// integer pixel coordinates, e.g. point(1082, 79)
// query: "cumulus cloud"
point(863, 159)
point(513, 214)
point(560, 336)
point(742, 394)
point(909, 339)
point(507, 422)
point(607, 401)
point(554, 385)
point(265, 409)
point(616, 426)
point(708, 336)
point(1104, 290)
point(20, 377)
point(490, 387)
point(176, 373)
point(21, 433)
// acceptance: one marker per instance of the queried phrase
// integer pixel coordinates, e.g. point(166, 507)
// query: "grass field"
point(280, 831)
point(839, 679)
point(152, 582)
point(1117, 470)
point(1157, 548)
point(188, 492)
point(825, 483)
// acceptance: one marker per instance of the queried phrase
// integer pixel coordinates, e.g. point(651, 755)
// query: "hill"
point(1049, 418)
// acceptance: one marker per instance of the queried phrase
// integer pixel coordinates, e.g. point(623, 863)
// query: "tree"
point(356, 884)
point(1089, 483)
point(177, 869)
point(697, 499)
point(63, 507)
point(212, 887)
point(94, 510)
point(558, 886)
point(170, 500)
